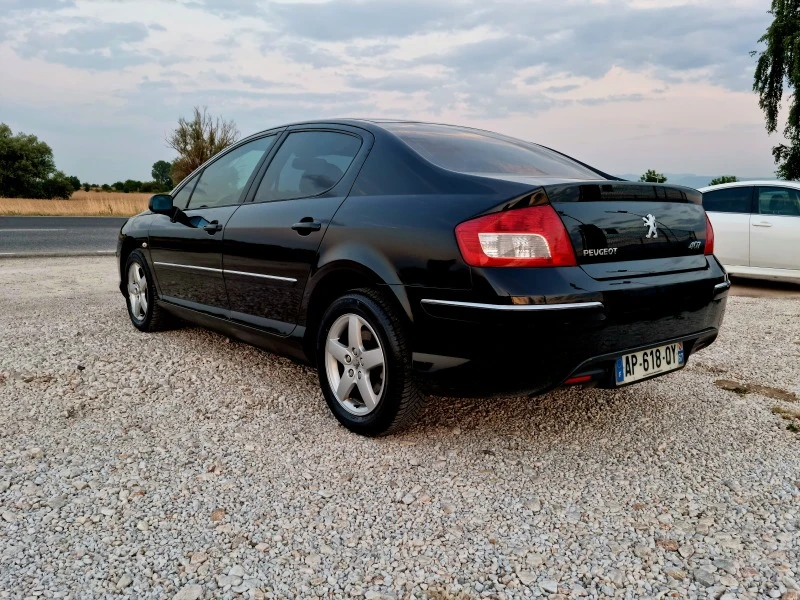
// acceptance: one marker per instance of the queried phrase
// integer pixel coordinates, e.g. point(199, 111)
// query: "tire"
point(144, 312)
point(344, 373)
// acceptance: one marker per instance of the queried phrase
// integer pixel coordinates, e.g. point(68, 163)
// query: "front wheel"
point(364, 364)
point(145, 314)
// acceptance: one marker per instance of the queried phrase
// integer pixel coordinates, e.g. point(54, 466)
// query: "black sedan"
point(398, 257)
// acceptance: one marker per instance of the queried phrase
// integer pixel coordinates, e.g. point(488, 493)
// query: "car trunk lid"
point(622, 229)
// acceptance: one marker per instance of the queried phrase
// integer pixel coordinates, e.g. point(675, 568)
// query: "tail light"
point(709, 237)
point(525, 237)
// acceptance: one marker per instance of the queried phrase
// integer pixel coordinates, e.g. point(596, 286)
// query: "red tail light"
point(526, 237)
point(709, 237)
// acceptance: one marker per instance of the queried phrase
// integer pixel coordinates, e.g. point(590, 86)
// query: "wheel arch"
point(128, 245)
point(337, 277)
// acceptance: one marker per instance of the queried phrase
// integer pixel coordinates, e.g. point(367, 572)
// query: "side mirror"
point(161, 204)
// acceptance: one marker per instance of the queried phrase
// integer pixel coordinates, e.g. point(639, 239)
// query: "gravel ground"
point(184, 465)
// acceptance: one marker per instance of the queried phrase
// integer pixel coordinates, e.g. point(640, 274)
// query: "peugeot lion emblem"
point(650, 221)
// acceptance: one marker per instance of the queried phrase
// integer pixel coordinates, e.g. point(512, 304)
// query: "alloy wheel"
point(355, 364)
point(137, 291)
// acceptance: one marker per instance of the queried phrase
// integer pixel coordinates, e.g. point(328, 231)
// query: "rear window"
point(729, 200)
point(472, 151)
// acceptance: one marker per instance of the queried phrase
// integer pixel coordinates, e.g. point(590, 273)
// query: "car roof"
point(762, 182)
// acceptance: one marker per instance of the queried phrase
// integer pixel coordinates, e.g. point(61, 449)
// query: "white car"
point(756, 227)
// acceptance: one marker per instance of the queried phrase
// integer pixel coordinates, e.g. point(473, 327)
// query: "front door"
point(186, 251)
point(775, 229)
point(272, 242)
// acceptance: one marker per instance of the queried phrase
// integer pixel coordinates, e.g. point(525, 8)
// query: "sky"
point(624, 85)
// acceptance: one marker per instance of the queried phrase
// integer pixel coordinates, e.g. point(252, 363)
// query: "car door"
point(271, 242)
point(775, 229)
point(186, 250)
point(729, 211)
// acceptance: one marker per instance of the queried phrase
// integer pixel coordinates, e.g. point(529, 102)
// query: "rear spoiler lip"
point(593, 191)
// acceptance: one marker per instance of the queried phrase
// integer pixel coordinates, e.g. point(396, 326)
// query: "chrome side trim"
point(275, 277)
point(522, 307)
point(191, 267)
point(223, 271)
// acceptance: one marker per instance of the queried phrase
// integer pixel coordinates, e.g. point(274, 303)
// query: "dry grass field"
point(108, 204)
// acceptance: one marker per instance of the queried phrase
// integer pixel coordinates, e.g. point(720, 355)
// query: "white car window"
point(783, 202)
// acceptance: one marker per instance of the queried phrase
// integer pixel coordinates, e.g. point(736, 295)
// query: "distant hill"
point(689, 179)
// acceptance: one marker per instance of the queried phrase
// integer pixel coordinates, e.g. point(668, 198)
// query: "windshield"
point(472, 151)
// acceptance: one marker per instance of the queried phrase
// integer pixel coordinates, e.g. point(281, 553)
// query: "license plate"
point(639, 365)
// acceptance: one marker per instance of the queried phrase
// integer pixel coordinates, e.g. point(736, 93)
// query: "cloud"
point(354, 19)
point(523, 67)
point(33, 5)
point(100, 46)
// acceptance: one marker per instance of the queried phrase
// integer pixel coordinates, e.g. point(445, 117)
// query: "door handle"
point(213, 227)
point(306, 226)
point(762, 224)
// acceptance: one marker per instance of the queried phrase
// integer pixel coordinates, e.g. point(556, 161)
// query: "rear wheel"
point(364, 364)
point(143, 310)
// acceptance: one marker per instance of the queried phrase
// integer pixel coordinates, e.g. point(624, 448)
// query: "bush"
point(119, 186)
point(105, 187)
point(131, 185)
point(57, 186)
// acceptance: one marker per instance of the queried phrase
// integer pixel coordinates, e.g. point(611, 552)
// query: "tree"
point(118, 186)
point(86, 187)
point(151, 187)
point(777, 64)
point(723, 179)
point(105, 187)
point(27, 166)
point(162, 174)
point(74, 182)
point(653, 177)
point(131, 185)
point(198, 139)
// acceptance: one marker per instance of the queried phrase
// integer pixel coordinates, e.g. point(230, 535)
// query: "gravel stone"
point(197, 467)
point(189, 592)
point(549, 586)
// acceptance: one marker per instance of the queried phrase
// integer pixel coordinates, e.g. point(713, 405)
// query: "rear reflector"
point(579, 379)
point(526, 237)
point(709, 249)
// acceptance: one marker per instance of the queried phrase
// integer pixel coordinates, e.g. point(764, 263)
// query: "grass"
point(105, 204)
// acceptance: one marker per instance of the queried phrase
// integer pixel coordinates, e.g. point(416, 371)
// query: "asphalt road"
point(43, 236)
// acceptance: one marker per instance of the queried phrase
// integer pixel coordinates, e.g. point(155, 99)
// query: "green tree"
point(778, 65)
point(74, 182)
point(131, 185)
point(723, 179)
point(57, 185)
point(86, 187)
point(162, 174)
point(653, 177)
point(26, 166)
point(198, 139)
point(118, 186)
point(150, 187)
point(105, 187)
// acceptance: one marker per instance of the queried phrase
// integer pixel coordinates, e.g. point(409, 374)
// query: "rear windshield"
point(472, 151)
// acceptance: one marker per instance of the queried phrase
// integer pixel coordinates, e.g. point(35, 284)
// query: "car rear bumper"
point(532, 344)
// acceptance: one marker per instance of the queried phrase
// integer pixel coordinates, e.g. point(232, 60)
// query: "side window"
point(181, 199)
point(779, 201)
point(307, 164)
point(222, 182)
point(729, 200)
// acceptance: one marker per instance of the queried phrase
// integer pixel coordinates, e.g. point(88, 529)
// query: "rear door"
point(628, 229)
point(775, 229)
point(187, 251)
point(729, 210)
point(271, 242)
